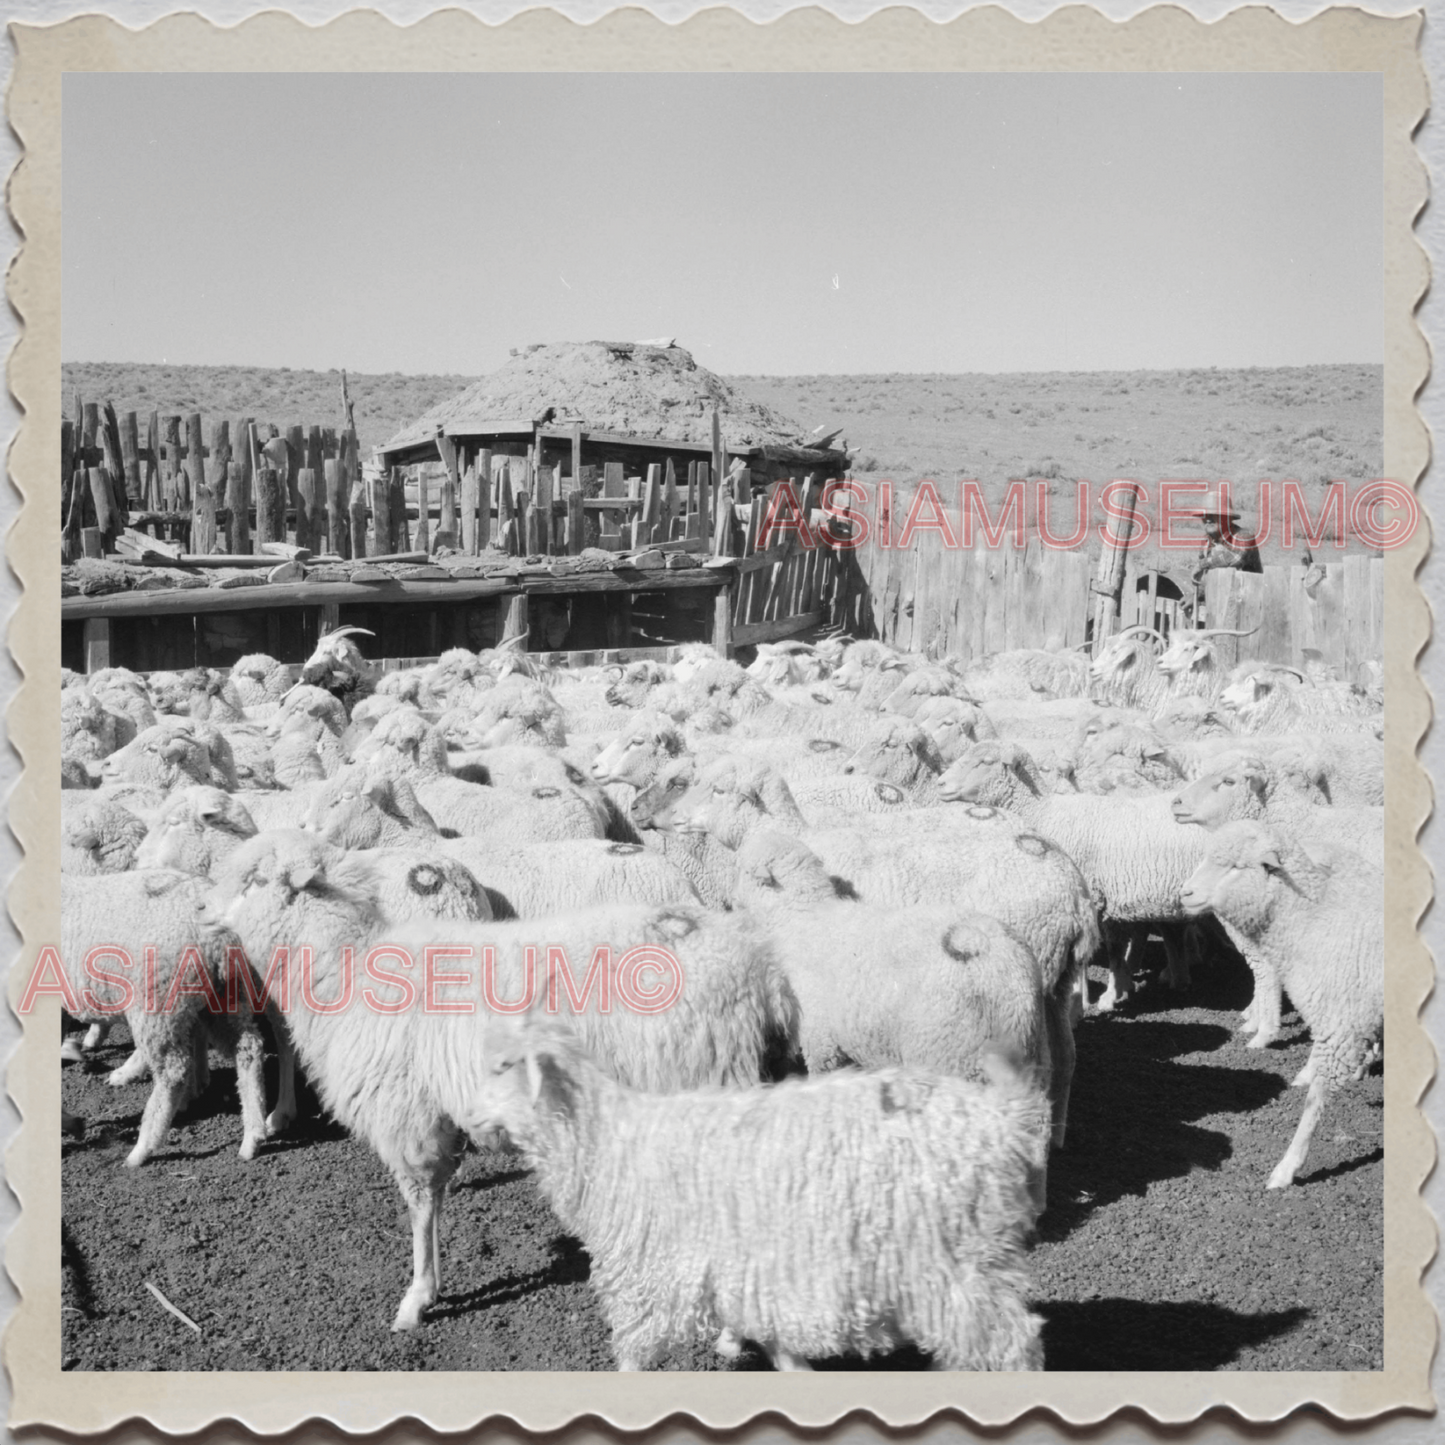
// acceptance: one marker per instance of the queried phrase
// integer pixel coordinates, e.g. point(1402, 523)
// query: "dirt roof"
point(635, 388)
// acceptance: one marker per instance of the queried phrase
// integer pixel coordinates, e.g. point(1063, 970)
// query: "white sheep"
point(125, 696)
point(1250, 789)
point(99, 835)
point(1272, 698)
point(952, 723)
point(1317, 914)
point(165, 756)
point(927, 988)
point(403, 1083)
point(1127, 846)
point(259, 680)
point(196, 828)
point(851, 1213)
point(155, 913)
point(976, 858)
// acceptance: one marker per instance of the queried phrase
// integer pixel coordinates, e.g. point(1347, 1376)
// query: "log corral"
point(461, 530)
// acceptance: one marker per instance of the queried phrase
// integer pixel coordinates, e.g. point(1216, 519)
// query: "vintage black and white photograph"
point(723, 722)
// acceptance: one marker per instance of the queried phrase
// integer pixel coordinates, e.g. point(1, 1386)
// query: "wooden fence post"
point(423, 510)
point(270, 504)
point(396, 489)
point(381, 515)
point(96, 638)
point(130, 461)
point(722, 617)
point(542, 510)
point(238, 494)
point(513, 617)
point(196, 460)
point(1109, 586)
point(484, 499)
point(338, 529)
point(203, 520)
point(469, 510)
point(106, 520)
point(358, 517)
point(447, 516)
point(307, 510)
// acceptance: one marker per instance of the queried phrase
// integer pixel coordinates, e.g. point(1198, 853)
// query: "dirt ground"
point(1160, 1248)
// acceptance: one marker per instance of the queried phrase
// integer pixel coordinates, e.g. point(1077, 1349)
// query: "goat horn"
point(351, 631)
point(1281, 666)
point(1227, 631)
point(1139, 627)
point(520, 640)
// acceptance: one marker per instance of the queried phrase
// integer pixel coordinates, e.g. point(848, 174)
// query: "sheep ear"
point(207, 811)
point(1270, 860)
point(175, 751)
point(301, 876)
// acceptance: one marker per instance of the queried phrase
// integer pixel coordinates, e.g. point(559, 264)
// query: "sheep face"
point(994, 774)
point(1236, 792)
point(198, 828)
point(899, 753)
point(354, 811)
point(313, 704)
point(99, 836)
point(1191, 717)
point(636, 756)
point(258, 679)
point(261, 882)
point(730, 799)
point(403, 743)
point(775, 868)
point(631, 684)
point(160, 757)
point(1241, 873)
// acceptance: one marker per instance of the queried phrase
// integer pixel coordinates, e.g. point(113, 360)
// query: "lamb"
point(927, 988)
point(1250, 789)
point(1128, 847)
point(404, 1085)
point(901, 753)
point(355, 809)
point(158, 910)
point(99, 835)
point(977, 858)
point(519, 710)
point(854, 1212)
point(196, 829)
point(786, 664)
point(310, 707)
point(1316, 914)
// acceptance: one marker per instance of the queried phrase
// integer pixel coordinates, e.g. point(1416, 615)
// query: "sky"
point(777, 224)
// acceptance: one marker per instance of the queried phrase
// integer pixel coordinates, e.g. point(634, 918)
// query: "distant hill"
point(383, 404)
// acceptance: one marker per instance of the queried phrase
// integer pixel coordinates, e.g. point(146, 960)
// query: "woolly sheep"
point(158, 910)
point(1316, 913)
point(851, 1213)
point(405, 1085)
point(321, 712)
point(165, 756)
point(1249, 789)
point(355, 809)
point(952, 723)
point(196, 829)
point(1027, 673)
point(1128, 847)
point(99, 835)
point(259, 679)
point(901, 753)
point(976, 858)
point(296, 759)
point(927, 988)
point(1268, 698)
point(88, 732)
point(125, 696)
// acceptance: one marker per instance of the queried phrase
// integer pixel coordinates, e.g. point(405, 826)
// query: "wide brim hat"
point(1211, 506)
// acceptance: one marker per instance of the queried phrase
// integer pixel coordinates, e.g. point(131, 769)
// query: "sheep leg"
point(200, 1065)
point(95, 1036)
point(423, 1203)
point(1306, 1075)
point(134, 1069)
point(285, 1110)
point(1059, 1036)
point(1299, 1148)
point(728, 1345)
point(251, 1086)
point(1264, 1007)
point(1176, 967)
point(168, 1094)
point(786, 1360)
point(1121, 977)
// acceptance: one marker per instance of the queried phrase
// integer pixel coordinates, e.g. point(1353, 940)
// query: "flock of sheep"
point(888, 871)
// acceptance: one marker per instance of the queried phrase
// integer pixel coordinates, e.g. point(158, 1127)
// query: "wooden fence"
point(938, 600)
point(152, 490)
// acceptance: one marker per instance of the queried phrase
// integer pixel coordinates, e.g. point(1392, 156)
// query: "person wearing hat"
point(1221, 550)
